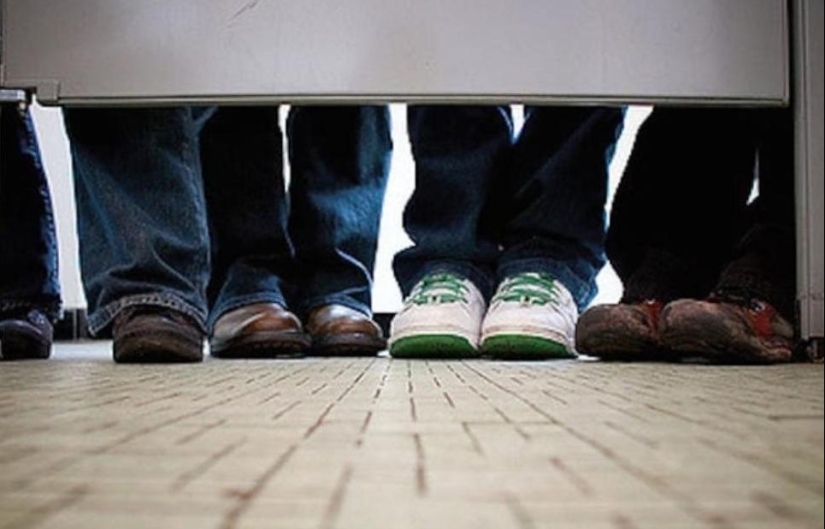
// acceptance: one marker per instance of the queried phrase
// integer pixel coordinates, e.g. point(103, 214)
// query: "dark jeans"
point(340, 161)
point(681, 225)
point(28, 246)
point(488, 205)
point(186, 207)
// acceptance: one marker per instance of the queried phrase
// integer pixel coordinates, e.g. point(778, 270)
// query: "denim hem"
point(101, 318)
point(483, 281)
point(582, 291)
point(335, 299)
point(242, 301)
point(52, 309)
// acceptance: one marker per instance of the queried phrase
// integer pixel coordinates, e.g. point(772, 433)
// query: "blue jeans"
point(340, 161)
point(186, 208)
point(488, 205)
point(28, 246)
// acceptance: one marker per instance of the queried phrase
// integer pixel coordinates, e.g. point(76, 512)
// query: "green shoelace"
point(439, 288)
point(528, 289)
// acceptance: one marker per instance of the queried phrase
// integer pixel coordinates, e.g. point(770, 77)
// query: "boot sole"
point(521, 347)
point(264, 345)
point(157, 347)
point(712, 342)
point(433, 346)
point(350, 344)
point(627, 349)
point(21, 346)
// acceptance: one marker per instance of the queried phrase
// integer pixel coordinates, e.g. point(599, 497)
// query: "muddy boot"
point(623, 331)
point(727, 331)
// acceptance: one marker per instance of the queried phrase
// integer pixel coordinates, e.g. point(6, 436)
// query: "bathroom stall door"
point(123, 51)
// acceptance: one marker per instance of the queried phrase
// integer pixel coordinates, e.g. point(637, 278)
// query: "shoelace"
point(528, 289)
point(439, 288)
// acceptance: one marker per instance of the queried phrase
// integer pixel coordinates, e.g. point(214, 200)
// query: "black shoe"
point(25, 335)
point(146, 333)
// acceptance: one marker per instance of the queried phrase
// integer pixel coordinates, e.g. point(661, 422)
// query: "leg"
point(241, 156)
point(678, 210)
point(449, 271)
point(144, 242)
point(340, 159)
point(29, 286)
point(748, 315)
point(556, 193)
point(552, 229)
point(458, 152)
point(681, 202)
point(763, 264)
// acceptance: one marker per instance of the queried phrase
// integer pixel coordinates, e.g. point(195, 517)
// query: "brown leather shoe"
point(260, 330)
point(146, 333)
point(340, 330)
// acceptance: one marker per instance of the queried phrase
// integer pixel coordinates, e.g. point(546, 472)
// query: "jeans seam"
point(196, 184)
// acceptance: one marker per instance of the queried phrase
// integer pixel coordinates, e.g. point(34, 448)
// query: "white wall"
point(57, 160)
point(387, 297)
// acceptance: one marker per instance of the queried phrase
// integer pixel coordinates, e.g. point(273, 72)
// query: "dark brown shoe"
point(623, 331)
point(25, 335)
point(260, 330)
point(338, 330)
point(149, 334)
point(749, 332)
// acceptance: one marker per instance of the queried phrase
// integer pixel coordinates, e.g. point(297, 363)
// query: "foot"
point(744, 331)
point(338, 330)
point(145, 334)
point(441, 318)
point(260, 330)
point(622, 331)
point(531, 316)
point(25, 335)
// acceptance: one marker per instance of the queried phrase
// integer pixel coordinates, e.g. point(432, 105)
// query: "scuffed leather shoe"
point(727, 331)
point(25, 335)
point(340, 330)
point(148, 334)
point(622, 332)
point(260, 330)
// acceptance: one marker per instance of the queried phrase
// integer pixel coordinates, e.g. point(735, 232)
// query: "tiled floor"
point(374, 443)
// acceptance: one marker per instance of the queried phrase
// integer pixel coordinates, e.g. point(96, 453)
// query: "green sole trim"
point(521, 347)
point(433, 346)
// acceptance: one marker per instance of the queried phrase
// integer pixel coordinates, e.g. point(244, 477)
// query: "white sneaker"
point(531, 316)
point(441, 318)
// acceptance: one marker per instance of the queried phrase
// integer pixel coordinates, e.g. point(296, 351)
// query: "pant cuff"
point(101, 319)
